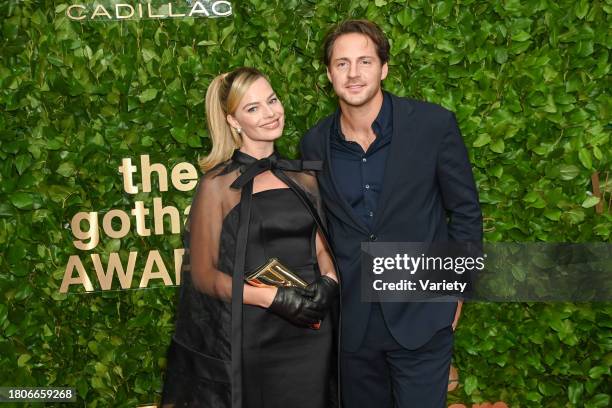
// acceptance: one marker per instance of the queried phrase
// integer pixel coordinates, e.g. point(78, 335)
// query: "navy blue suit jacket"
point(428, 194)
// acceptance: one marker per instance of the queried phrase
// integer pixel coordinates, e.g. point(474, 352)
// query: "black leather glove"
point(295, 305)
point(324, 291)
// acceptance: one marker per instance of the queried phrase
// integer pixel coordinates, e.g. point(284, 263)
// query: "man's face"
point(355, 70)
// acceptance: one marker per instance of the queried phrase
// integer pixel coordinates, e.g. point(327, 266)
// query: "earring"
point(239, 130)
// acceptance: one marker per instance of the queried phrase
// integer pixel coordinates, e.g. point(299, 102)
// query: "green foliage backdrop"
point(529, 81)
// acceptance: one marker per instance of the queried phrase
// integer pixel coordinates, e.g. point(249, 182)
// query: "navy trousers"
point(383, 374)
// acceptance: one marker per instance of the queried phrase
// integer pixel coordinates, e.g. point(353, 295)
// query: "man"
point(396, 170)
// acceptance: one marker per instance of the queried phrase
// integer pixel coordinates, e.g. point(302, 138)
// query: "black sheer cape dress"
point(224, 354)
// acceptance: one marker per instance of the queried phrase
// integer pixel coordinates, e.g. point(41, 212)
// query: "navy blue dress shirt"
point(358, 174)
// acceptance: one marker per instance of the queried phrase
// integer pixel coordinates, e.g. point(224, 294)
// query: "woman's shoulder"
point(218, 178)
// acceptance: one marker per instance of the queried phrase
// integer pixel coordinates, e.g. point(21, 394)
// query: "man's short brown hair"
point(364, 27)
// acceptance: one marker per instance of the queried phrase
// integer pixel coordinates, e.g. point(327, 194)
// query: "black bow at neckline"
point(251, 167)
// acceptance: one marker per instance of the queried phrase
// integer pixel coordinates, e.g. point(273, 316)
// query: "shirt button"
point(364, 160)
point(367, 186)
point(371, 214)
point(372, 237)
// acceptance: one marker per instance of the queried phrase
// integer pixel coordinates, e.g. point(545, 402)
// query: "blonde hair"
point(222, 98)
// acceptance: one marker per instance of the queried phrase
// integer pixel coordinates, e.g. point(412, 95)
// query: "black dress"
point(225, 354)
point(283, 365)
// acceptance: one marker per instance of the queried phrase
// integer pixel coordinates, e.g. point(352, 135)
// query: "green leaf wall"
point(528, 80)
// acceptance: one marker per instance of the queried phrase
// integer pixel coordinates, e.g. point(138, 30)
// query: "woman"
point(237, 345)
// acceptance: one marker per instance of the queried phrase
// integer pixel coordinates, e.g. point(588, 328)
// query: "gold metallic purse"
point(274, 273)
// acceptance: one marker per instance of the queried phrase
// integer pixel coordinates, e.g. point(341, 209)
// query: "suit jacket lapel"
point(402, 109)
point(346, 213)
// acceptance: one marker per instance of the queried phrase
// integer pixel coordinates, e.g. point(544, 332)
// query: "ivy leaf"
point(404, 17)
point(148, 95)
point(226, 32)
point(23, 359)
point(501, 55)
point(97, 383)
point(568, 171)
point(531, 197)
point(591, 201)
point(597, 153)
point(575, 215)
point(22, 162)
point(598, 371)
point(482, 140)
point(497, 146)
point(574, 392)
point(598, 401)
point(533, 396)
point(582, 8)
point(82, 387)
point(148, 55)
point(553, 215)
point(521, 36)
point(272, 44)
point(55, 60)
point(66, 169)
point(147, 141)
point(179, 134)
point(471, 384)
point(585, 158)
point(21, 200)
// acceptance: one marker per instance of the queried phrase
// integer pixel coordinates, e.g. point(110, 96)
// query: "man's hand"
point(295, 305)
point(457, 314)
point(324, 291)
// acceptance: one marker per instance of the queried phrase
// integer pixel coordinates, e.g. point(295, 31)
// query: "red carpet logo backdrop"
point(123, 11)
point(117, 223)
point(95, 93)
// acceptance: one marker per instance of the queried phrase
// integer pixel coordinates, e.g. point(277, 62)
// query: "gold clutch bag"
point(274, 273)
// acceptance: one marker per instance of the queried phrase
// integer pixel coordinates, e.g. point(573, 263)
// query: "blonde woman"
point(237, 345)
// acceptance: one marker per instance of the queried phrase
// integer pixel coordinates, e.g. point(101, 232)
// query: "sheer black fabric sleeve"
point(205, 223)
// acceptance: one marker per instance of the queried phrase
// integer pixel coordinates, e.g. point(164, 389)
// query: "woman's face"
point(259, 115)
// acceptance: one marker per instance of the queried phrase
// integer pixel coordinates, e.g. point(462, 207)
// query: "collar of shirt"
point(382, 125)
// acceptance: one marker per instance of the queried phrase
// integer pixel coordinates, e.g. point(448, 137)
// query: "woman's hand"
point(259, 296)
point(295, 305)
point(324, 291)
